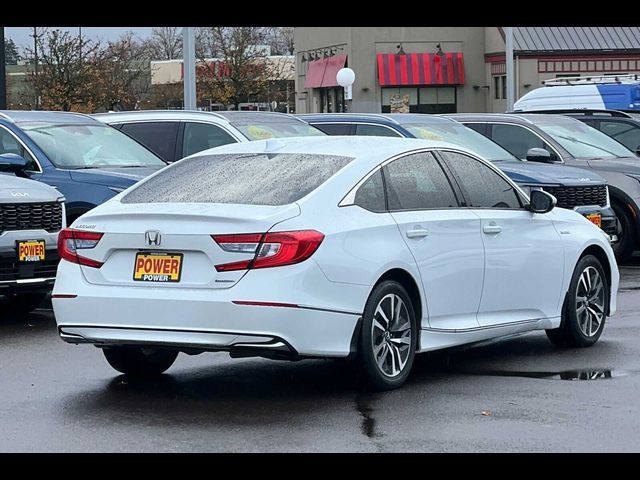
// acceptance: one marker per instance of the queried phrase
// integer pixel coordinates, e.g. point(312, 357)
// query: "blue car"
point(87, 161)
point(574, 188)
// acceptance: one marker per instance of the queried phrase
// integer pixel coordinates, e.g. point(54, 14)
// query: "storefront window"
point(332, 100)
point(419, 100)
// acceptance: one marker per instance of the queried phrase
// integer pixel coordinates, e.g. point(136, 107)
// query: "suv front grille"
point(11, 269)
point(571, 197)
point(31, 216)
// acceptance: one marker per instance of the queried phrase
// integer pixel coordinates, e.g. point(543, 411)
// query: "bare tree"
point(240, 69)
point(122, 75)
point(280, 39)
point(65, 72)
point(165, 43)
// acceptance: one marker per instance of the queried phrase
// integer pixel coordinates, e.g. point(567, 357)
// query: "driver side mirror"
point(539, 155)
point(10, 162)
point(638, 150)
point(541, 202)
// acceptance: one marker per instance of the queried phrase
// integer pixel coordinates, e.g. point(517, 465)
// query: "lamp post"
point(189, 62)
point(3, 78)
point(345, 78)
point(509, 61)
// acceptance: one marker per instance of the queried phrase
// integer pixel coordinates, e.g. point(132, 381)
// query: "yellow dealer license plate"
point(157, 267)
point(31, 250)
point(595, 218)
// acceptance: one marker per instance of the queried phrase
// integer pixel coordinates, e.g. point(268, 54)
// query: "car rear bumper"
point(201, 319)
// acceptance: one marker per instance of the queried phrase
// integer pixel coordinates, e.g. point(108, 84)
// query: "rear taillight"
point(270, 249)
point(70, 241)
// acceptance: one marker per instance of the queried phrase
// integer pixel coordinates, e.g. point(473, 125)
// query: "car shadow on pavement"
point(249, 391)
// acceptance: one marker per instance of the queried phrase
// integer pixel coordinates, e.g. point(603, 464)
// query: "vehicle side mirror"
point(638, 150)
point(539, 155)
point(541, 202)
point(10, 162)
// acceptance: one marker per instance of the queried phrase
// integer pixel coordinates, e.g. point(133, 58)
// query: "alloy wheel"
point(590, 297)
point(391, 335)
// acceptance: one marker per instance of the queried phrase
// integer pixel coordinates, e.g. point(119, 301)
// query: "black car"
point(561, 139)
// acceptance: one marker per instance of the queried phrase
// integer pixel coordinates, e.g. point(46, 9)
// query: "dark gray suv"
point(562, 139)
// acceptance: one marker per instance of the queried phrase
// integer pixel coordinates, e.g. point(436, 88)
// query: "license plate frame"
point(139, 276)
point(28, 258)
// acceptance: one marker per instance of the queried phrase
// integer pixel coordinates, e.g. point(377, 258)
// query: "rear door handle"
point(417, 233)
point(491, 229)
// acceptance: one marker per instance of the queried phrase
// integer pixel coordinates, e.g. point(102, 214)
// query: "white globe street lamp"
point(345, 78)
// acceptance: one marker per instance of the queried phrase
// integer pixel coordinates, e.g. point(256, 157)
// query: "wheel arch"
point(409, 283)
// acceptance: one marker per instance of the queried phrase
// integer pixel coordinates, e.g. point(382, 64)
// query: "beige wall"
point(361, 45)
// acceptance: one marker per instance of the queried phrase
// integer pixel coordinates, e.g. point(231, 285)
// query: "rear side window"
point(376, 130)
point(159, 137)
point(370, 195)
point(416, 182)
point(334, 128)
point(483, 188)
point(247, 179)
point(203, 136)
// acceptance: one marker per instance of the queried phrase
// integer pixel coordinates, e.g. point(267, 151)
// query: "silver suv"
point(175, 134)
point(31, 215)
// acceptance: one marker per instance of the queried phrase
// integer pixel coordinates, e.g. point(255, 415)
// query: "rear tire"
point(138, 361)
point(627, 238)
point(585, 306)
point(388, 337)
point(23, 303)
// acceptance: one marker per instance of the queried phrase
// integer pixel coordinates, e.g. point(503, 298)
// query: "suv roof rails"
point(592, 80)
point(584, 111)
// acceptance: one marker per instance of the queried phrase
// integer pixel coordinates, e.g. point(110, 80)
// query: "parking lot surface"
point(519, 394)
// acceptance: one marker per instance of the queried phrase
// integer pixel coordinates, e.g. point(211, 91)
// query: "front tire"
point(627, 238)
point(138, 361)
point(388, 337)
point(585, 307)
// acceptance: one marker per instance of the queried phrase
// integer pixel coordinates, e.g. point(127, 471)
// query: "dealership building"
point(448, 69)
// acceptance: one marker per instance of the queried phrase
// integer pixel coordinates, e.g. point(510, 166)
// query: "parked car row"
point(261, 244)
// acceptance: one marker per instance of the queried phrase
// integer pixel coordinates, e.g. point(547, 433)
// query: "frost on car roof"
point(247, 179)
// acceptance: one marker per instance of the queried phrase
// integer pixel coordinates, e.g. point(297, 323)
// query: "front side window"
point(626, 133)
point(9, 144)
point(89, 146)
point(203, 136)
point(517, 140)
point(239, 178)
point(370, 195)
point(483, 187)
point(417, 182)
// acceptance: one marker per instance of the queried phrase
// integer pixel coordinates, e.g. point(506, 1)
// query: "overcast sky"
point(20, 35)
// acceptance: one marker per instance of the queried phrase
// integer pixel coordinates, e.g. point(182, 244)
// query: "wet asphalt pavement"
point(520, 394)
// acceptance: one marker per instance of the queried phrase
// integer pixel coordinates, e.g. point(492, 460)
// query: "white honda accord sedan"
point(363, 247)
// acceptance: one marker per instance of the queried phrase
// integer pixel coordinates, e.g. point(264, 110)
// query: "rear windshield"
point(262, 127)
point(246, 179)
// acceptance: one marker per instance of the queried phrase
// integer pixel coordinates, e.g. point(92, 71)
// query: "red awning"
point(315, 73)
point(420, 69)
point(322, 73)
point(334, 64)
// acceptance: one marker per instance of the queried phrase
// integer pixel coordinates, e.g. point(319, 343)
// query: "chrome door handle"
point(417, 233)
point(491, 229)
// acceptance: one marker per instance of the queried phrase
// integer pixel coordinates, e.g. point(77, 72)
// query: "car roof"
point(24, 116)
point(370, 149)
point(381, 118)
point(522, 118)
point(213, 117)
